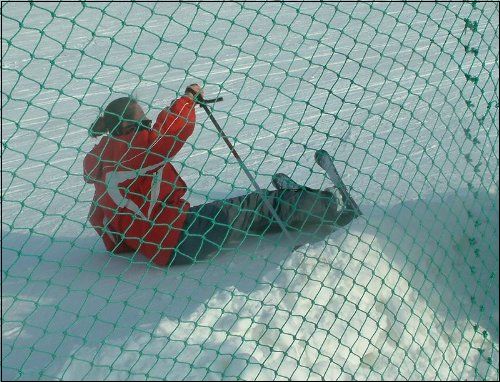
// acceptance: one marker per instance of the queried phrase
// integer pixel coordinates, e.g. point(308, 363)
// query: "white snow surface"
point(407, 291)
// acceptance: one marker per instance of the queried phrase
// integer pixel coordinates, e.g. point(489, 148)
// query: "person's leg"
point(298, 209)
point(212, 225)
point(205, 232)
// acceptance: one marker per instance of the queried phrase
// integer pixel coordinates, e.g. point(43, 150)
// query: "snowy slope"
point(410, 290)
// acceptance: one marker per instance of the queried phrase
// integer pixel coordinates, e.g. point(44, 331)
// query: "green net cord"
point(403, 96)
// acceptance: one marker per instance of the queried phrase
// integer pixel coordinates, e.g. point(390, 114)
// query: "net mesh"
point(403, 96)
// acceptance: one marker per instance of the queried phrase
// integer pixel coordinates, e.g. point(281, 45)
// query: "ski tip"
point(319, 153)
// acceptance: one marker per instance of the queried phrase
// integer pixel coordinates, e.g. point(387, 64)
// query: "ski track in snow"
point(408, 291)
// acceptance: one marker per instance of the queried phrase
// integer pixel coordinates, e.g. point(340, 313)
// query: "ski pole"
point(203, 104)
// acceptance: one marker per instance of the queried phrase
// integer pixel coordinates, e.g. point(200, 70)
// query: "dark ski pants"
point(209, 227)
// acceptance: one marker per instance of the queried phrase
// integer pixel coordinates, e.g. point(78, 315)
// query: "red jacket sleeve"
point(172, 129)
point(176, 123)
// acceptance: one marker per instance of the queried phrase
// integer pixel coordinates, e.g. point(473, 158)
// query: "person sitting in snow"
point(138, 204)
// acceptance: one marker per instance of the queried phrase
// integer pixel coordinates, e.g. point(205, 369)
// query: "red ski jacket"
point(138, 203)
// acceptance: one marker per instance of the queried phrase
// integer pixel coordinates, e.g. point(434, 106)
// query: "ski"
point(325, 161)
point(284, 182)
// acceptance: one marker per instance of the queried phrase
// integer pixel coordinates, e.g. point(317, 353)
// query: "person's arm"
point(176, 124)
point(173, 126)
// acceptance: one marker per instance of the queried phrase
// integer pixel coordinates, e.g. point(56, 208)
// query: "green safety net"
point(403, 96)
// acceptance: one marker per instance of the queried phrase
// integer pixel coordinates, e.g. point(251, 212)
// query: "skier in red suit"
point(138, 204)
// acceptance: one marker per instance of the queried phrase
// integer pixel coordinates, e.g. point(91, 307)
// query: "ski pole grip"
point(200, 100)
point(218, 99)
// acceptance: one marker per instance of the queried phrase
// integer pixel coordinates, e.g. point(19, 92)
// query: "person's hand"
point(195, 92)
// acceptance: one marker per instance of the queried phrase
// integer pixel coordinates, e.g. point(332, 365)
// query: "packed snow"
point(407, 291)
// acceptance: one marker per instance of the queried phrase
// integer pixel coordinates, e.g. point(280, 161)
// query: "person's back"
point(138, 203)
